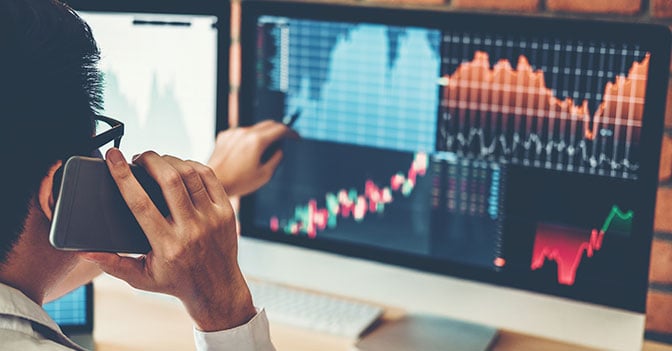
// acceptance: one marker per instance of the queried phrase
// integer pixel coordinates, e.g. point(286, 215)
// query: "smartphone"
point(90, 213)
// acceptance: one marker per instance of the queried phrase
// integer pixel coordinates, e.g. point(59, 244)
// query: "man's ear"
point(45, 196)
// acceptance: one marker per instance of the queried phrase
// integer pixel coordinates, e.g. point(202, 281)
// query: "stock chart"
point(515, 154)
point(502, 111)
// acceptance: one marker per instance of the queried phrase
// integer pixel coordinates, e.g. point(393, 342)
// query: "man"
point(49, 89)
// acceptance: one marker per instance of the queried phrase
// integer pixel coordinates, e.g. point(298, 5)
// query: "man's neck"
point(33, 266)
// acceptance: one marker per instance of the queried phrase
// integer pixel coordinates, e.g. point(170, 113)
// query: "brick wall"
point(659, 317)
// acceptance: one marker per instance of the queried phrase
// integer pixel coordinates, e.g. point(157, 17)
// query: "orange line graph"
point(523, 91)
point(509, 100)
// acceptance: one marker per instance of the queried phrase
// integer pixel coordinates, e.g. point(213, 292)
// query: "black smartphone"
point(90, 213)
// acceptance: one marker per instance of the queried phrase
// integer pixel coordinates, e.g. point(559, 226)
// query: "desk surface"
point(126, 319)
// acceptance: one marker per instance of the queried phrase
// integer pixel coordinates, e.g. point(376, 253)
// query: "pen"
point(289, 120)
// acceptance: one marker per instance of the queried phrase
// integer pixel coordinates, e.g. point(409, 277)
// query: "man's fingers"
point(172, 186)
point(212, 184)
point(272, 163)
point(131, 270)
point(275, 131)
point(264, 124)
point(193, 181)
point(148, 216)
point(229, 134)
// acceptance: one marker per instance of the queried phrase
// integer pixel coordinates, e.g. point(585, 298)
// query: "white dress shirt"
point(26, 326)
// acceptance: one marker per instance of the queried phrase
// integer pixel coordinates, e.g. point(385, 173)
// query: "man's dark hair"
point(49, 89)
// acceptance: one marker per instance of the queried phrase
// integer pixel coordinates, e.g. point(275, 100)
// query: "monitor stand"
point(428, 333)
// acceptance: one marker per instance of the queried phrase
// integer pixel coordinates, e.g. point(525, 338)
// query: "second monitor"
point(165, 70)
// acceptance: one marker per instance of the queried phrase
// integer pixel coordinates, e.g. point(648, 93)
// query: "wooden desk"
point(126, 319)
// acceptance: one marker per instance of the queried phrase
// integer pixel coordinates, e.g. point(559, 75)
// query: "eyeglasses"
point(115, 133)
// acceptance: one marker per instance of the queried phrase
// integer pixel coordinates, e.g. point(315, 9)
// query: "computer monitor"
point(165, 68)
point(165, 71)
point(74, 311)
point(495, 169)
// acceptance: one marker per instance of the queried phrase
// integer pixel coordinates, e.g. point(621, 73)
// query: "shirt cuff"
point(252, 336)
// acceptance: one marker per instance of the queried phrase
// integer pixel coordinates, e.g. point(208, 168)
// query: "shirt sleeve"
point(252, 336)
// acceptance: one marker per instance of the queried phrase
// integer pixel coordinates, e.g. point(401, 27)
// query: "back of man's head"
point(49, 89)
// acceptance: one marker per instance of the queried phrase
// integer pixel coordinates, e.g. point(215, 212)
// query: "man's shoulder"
point(16, 340)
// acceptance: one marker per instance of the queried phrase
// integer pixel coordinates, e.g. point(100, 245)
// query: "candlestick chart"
point(324, 191)
point(437, 205)
point(513, 113)
point(310, 218)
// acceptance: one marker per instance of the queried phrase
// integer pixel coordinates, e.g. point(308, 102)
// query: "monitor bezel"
point(653, 38)
point(220, 9)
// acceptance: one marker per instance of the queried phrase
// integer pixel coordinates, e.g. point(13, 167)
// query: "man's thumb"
point(128, 269)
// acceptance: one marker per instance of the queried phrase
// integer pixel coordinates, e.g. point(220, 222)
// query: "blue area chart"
point(370, 85)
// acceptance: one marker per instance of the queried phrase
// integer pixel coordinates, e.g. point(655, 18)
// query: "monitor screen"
point(165, 69)
point(160, 76)
point(513, 151)
point(73, 311)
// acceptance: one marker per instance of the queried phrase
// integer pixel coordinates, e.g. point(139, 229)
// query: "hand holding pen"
point(288, 121)
point(245, 158)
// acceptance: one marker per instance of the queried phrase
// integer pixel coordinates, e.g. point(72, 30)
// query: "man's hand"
point(194, 250)
point(236, 159)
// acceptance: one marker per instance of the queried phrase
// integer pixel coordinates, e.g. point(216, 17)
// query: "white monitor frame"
point(416, 291)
